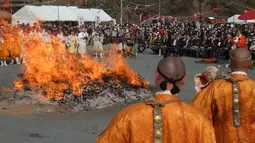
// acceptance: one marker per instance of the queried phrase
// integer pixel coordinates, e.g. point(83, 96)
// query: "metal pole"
point(11, 6)
point(200, 17)
point(121, 12)
point(11, 11)
point(159, 7)
point(200, 23)
point(58, 12)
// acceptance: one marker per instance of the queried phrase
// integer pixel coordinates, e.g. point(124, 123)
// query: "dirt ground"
point(40, 123)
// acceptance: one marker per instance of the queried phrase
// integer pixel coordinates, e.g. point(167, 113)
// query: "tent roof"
point(103, 16)
point(41, 13)
point(250, 15)
point(53, 13)
point(85, 13)
point(234, 19)
point(66, 14)
point(61, 13)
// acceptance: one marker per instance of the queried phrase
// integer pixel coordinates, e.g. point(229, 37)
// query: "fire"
point(18, 85)
point(50, 67)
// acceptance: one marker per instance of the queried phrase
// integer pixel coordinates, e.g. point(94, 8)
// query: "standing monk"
point(202, 80)
point(1, 48)
point(242, 41)
point(6, 47)
point(163, 118)
point(230, 102)
point(82, 42)
point(73, 43)
point(16, 47)
point(239, 41)
point(98, 43)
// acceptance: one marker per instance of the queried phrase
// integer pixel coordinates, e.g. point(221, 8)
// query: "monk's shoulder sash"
point(235, 100)
point(157, 117)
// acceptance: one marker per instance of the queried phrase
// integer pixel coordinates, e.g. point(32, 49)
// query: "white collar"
point(164, 92)
point(239, 72)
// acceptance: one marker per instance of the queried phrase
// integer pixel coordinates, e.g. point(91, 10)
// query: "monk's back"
point(163, 118)
point(223, 111)
point(181, 123)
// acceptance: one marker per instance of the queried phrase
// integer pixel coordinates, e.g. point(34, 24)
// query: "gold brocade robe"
point(6, 47)
point(15, 52)
point(181, 124)
point(215, 101)
point(73, 48)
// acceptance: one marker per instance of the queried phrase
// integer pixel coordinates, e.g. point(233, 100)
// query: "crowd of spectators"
point(209, 40)
point(181, 38)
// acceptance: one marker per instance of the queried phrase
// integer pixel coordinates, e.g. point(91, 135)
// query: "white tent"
point(31, 14)
point(40, 13)
point(85, 13)
point(56, 13)
point(66, 14)
point(234, 19)
point(103, 16)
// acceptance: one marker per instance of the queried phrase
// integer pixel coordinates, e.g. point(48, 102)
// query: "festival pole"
point(200, 23)
point(11, 7)
point(58, 12)
point(159, 8)
point(58, 9)
point(121, 12)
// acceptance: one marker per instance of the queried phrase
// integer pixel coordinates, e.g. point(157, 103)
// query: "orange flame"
point(50, 67)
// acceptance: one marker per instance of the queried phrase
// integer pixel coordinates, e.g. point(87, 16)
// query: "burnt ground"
point(81, 127)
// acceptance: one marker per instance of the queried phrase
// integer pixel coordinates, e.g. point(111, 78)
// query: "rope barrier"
point(208, 11)
point(242, 5)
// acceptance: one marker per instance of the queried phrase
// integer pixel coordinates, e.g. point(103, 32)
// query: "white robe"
point(98, 42)
point(82, 44)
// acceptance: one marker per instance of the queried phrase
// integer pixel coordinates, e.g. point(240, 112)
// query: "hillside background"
point(177, 8)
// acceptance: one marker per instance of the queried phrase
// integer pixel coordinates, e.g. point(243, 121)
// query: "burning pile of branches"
point(95, 94)
point(74, 79)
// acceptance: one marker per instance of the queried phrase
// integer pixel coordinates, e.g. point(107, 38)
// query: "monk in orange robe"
point(202, 80)
point(242, 42)
point(230, 102)
point(11, 45)
point(15, 47)
point(1, 48)
point(163, 118)
point(5, 49)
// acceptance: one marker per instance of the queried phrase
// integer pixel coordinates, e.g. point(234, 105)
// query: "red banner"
point(216, 9)
point(196, 16)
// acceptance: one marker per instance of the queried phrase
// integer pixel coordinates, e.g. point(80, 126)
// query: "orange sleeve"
point(241, 42)
point(207, 134)
point(204, 102)
point(117, 131)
